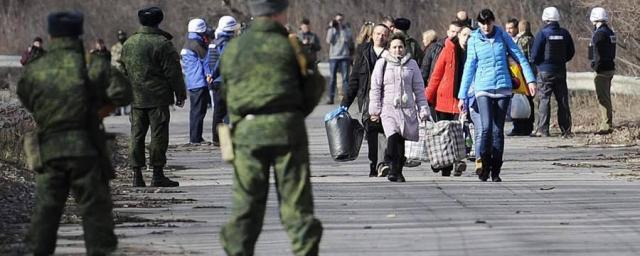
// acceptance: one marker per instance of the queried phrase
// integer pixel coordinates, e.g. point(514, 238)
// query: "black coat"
point(430, 58)
point(360, 78)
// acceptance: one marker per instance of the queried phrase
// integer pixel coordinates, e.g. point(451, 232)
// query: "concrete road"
point(557, 198)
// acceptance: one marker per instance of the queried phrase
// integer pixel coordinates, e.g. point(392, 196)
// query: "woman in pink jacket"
point(397, 98)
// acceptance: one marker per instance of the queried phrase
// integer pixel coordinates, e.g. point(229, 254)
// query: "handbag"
point(445, 143)
point(417, 150)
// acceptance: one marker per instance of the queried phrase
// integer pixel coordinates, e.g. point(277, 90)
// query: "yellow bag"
point(517, 77)
point(31, 146)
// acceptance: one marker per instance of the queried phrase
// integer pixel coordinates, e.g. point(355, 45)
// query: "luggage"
point(520, 108)
point(417, 150)
point(345, 136)
point(445, 143)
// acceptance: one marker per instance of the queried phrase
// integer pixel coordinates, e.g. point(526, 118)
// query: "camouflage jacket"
point(111, 87)
point(267, 95)
point(55, 88)
point(152, 64)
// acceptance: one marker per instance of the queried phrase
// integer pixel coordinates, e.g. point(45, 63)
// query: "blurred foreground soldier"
point(602, 53)
point(34, 51)
point(268, 101)
point(67, 150)
point(152, 64)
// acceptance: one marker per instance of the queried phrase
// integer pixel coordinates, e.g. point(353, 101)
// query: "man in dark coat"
point(359, 85)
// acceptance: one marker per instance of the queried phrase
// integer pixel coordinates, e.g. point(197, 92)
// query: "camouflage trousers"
point(250, 188)
point(82, 176)
point(141, 120)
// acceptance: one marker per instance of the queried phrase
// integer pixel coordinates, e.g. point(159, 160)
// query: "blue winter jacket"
point(487, 63)
point(552, 48)
point(192, 59)
point(216, 48)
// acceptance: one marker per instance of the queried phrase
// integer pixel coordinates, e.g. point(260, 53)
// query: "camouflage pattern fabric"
point(152, 64)
point(57, 90)
point(268, 99)
point(116, 55)
point(141, 120)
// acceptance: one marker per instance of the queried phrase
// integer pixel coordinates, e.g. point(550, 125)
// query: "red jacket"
point(440, 88)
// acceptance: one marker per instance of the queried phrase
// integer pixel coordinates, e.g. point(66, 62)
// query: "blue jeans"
point(477, 128)
point(493, 112)
point(199, 99)
point(334, 65)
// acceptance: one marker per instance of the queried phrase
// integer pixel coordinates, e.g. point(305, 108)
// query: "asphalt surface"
point(557, 198)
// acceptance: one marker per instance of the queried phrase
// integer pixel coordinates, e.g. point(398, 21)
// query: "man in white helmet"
point(227, 27)
point(193, 56)
point(552, 49)
point(602, 53)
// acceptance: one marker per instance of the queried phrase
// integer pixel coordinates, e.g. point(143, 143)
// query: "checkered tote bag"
point(417, 150)
point(445, 143)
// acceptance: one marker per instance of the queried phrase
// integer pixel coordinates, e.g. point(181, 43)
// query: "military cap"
point(402, 24)
point(267, 7)
point(65, 24)
point(151, 16)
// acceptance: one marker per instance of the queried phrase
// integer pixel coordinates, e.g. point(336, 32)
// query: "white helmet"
point(550, 14)
point(197, 26)
point(598, 14)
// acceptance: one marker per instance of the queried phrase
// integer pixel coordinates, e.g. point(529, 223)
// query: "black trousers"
point(554, 83)
point(372, 129)
point(219, 111)
point(199, 99)
point(525, 126)
point(395, 148)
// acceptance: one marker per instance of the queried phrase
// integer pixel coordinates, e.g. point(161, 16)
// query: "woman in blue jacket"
point(488, 69)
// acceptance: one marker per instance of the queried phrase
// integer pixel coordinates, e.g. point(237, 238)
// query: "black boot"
point(486, 169)
point(495, 171)
point(395, 175)
point(138, 180)
point(159, 180)
point(373, 170)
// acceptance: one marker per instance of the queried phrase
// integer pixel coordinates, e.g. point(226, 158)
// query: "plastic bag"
point(520, 108)
point(345, 136)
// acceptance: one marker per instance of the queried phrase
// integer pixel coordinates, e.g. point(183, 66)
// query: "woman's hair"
point(430, 35)
point(525, 26)
point(486, 16)
point(398, 36)
point(365, 32)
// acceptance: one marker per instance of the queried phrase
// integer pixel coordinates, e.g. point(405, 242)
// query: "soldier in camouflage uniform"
point(69, 141)
point(269, 92)
point(152, 64)
point(116, 49)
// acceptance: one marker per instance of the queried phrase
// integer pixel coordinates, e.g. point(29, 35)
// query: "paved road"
point(544, 206)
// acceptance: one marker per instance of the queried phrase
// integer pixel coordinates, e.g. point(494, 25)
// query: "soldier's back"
point(262, 81)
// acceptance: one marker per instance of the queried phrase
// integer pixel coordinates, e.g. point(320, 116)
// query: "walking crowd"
point(262, 83)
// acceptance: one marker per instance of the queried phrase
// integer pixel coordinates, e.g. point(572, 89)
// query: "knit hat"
point(197, 26)
point(550, 14)
point(151, 16)
point(267, 7)
point(65, 24)
point(598, 14)
point(402, 24)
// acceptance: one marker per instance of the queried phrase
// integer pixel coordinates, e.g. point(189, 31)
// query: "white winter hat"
point(227, 24)
point(598, 14)
point(550, 14)
point(197, 26)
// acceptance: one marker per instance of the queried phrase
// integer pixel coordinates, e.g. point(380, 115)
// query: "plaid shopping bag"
point(417, 150)
point(445, 143)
